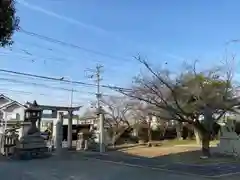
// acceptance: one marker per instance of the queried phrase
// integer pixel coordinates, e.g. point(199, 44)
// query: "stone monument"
point(79, 143)
point(82, 141)
point(59, 134)
point(32, 144)
point(229, 140)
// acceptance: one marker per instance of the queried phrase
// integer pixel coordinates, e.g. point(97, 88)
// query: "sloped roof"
point(7, 98)
point(12, 103)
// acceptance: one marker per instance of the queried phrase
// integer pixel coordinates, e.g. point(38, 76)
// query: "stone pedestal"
point(229, 140)
point(31, 145)
point(79, 145)
point(229, 144)
point(32, 141)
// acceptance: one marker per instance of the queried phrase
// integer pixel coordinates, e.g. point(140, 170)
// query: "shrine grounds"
point(131, 162)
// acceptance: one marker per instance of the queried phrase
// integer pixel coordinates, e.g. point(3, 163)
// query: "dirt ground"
point(157, 151)
point(188, 153)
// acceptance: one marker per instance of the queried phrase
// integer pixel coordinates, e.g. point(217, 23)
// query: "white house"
point(11, 112)
point(10, 109)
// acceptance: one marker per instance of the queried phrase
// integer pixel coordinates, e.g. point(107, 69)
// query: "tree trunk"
point(197, 136)
point(162, 133)
point(204, 136)
point(205, 144)
point(179, 131)
point(113, 139)
point(149, 134)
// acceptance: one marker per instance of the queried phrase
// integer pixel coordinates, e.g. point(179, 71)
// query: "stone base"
point(229, 146)
point(31, 146)
point(25, 154)
point(32, 141)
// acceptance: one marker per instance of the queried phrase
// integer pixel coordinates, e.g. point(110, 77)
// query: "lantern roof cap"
point(33, 106)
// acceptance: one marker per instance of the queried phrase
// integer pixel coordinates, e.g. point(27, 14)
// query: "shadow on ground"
point(187, 162)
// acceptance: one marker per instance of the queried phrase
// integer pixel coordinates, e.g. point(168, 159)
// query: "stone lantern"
point(33, 114)
point(32, 143)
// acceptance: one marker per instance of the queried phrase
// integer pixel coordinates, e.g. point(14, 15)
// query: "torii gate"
point(70, 111)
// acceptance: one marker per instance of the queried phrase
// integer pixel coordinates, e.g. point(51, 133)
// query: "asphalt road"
point(80, 169)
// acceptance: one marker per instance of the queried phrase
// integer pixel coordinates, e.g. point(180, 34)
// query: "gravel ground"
point(78, 169)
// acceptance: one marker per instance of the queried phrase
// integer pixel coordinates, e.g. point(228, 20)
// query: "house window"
point(17, 116)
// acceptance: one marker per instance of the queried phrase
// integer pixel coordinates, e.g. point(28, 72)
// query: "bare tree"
point(187, 96)
point(117, 113)
point(117, 108)
point(143, 113)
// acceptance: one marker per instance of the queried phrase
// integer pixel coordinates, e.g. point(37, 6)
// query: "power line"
point(50, 39)
point(31, 93)
point(61, 79)
point(43, 85)
point(4, 74)
point(45, 77)
point(20, 92)
point(27, 55)
point(46, 86)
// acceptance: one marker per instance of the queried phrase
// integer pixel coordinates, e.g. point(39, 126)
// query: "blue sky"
point(166, 30)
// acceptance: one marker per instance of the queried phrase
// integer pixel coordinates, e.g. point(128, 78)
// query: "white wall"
point(12, 114)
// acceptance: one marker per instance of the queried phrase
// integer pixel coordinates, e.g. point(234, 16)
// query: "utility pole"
point(71, 101)
point(97, 78)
